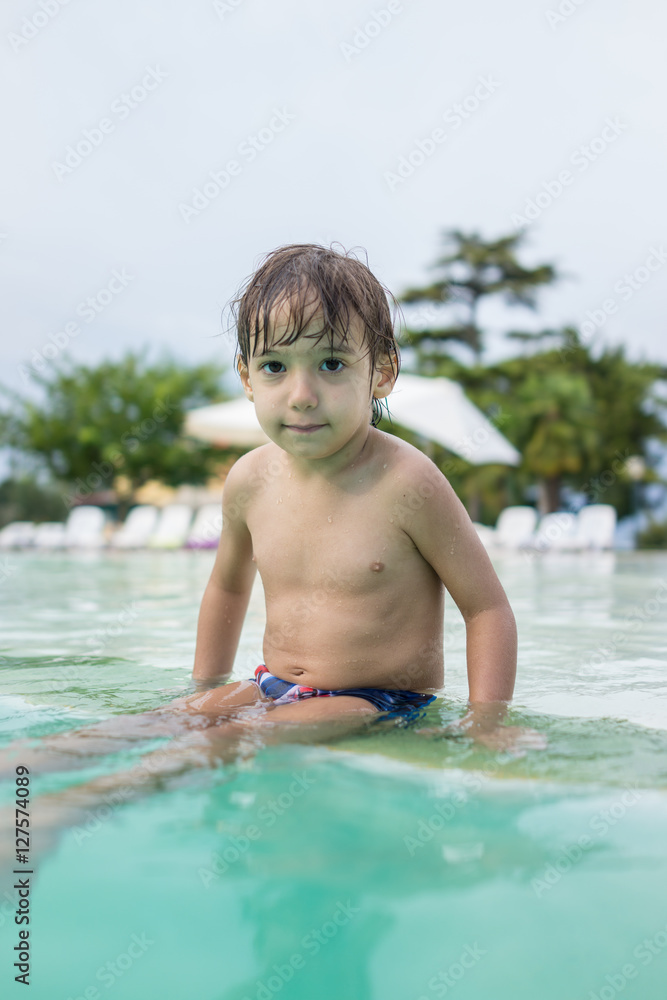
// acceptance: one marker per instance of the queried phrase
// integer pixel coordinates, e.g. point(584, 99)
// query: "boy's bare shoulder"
point(408, 465)
point(249, 473)
point(244, 467)
point(416, 488)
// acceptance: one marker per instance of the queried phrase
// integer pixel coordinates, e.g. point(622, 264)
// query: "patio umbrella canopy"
point(226, 424)
point(435, 408)
point(438, 409)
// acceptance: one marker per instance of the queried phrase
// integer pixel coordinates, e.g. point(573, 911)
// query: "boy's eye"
point(331, 363)
point(277, 365)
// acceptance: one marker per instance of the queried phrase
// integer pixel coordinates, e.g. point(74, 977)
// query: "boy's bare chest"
point(347, 543)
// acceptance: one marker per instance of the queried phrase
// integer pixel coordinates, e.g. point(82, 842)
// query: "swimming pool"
point(387, 865)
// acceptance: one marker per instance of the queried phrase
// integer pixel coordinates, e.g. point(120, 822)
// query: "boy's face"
point(313, 401)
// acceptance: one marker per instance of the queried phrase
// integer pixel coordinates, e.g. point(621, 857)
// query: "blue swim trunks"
point(408, 705)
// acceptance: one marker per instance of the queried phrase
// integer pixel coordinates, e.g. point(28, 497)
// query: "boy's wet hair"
point(315, 279)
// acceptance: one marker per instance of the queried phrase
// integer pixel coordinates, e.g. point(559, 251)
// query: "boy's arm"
point(227, 593)
point(446, 538)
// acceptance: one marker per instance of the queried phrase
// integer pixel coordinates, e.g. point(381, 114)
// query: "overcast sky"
point(115, 112)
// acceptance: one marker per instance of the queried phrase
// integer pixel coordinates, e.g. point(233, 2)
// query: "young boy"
point(355, 533)
point(356, 536)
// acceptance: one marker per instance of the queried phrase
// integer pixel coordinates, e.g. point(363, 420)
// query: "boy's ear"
point(245, 378)
point(385, 377)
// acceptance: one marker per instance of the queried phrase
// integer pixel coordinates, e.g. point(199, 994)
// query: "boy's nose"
point(302, 392)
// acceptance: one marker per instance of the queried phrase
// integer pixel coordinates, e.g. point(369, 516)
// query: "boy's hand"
point(515, 740)
point(484, 724)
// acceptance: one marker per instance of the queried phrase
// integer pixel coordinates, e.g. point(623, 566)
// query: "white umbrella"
point(439, 410)
point(226, 424)
point(435, 408)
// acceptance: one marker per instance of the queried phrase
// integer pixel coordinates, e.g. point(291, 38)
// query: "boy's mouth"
point(304, 428)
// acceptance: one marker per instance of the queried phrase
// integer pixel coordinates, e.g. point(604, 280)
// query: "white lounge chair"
point(515, 527)
point(596, 525)
point(49, 535)
point(205, 532)
point(592, 528)
point(17, 535)
point(556, 531)
point(85, 528)
point(137, 529)
point(173, 526)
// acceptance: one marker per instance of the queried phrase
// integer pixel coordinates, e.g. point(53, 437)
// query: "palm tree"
point(559, 415)
point(470, 270)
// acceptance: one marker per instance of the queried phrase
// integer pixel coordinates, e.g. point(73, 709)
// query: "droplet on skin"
point(330, 518)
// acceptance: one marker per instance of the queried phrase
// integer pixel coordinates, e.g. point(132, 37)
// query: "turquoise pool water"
point(389, 865)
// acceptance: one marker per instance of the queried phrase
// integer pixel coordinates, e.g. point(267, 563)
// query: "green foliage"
point(25, 499)
point(575, 416)
point(654, 536)
point(472, 270)
point(118, 424)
